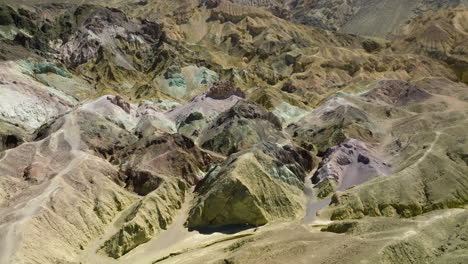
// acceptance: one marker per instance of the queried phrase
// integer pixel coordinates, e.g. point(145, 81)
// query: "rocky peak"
point(221, 90)
point(249, 110)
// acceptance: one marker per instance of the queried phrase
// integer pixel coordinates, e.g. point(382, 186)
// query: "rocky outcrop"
point(102, 136)
point(346, 165)
point(152, 214)
point(154, 124)
point(194, 116)
point(120, 102)
point(98, 28)
point(186, 82)
point(11, 136)
point(255, 186)
point(430, 176)
point(223, 90)
point(397, 93)
point(331, 124)
point(240, 127)
point(27, 102)
point(170, 155)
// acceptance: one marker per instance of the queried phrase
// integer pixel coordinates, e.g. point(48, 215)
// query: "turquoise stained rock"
point(46, 67)
point(205, 76)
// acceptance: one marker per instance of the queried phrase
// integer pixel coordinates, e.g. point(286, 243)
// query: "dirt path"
point(177, 238)
point(313, 203)
point(429, 150)
point(90, 254)
point(355, 173)
point(27, 210)
point(145, 253)
point(165, 242)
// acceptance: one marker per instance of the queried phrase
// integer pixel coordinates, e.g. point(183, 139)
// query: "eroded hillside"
point(233, 131)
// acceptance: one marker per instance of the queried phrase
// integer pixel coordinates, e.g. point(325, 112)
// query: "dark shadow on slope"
point(227, 229)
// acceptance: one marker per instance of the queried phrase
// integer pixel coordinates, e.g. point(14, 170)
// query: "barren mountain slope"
point(223, 131)
point(362, 17)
